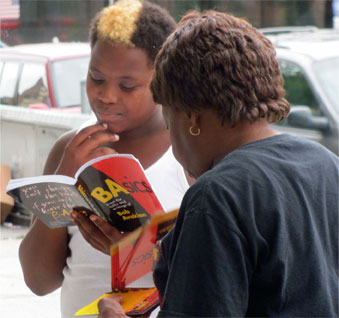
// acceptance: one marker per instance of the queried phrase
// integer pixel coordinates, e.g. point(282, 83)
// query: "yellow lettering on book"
point(104, 196)
point(82, 190)
point(134, 216)
point(124, 212)
point(65, 212)
point(56, 215)
point(115, 188)
point(101, 195)
point(83, 212)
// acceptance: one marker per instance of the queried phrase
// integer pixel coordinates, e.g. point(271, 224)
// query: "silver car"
point(309, 60)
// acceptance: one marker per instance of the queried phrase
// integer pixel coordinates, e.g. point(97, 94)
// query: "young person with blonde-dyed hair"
point(257, 233)
point(125, 39)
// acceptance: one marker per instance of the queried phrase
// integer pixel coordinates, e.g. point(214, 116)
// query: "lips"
point(109, 116)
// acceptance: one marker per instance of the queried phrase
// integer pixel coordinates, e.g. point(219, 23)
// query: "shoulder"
point(63, 140)
point(57, 151)
point(226, 189)
point(209, 193)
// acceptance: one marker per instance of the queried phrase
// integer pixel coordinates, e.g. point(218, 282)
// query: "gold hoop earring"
point(194, 133)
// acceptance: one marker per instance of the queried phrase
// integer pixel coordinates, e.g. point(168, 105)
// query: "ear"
point(195, 120)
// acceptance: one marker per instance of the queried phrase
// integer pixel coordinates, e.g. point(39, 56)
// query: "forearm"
point(42, 255)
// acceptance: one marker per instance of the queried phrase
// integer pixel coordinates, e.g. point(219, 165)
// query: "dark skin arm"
point(43, 251)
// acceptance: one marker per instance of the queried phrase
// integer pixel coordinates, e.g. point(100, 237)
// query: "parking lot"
point(16, 300)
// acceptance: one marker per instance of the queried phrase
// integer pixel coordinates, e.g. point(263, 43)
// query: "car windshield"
point(67, 76)
point(327, 72)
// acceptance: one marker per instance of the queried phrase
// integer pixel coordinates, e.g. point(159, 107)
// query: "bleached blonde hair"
point(133, 23)
point(118, 22)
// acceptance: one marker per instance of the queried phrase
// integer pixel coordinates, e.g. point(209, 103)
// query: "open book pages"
point(114, 187)
point(17, 183)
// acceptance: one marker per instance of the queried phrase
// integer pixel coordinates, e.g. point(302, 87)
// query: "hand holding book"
point(115, 192)
point(111, 307)
point(131, 258)
point(113, 187)
point(96, 231)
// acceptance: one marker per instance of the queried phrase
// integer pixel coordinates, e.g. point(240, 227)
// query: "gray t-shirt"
point(257, 235)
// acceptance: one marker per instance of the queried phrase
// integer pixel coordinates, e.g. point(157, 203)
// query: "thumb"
point(110, 307)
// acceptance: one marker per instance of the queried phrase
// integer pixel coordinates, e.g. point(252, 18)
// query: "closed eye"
point(127, 88)
point(96, 80)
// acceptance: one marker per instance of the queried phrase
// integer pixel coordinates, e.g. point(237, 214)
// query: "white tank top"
point(87, 275)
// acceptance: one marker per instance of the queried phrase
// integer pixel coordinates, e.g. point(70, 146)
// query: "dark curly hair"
point(153, 25)
point(214, 60)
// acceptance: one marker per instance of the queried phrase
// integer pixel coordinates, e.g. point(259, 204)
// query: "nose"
point(108, 94)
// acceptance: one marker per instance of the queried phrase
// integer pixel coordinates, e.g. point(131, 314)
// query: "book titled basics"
point(114, 187)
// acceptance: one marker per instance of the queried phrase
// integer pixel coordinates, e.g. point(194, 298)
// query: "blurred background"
point(36, 21)
point(44, 58)
point(44, 55)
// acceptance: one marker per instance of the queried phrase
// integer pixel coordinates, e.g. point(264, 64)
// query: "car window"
point(8, 83)
point(66, 78)
point(33, 85)
point(327, 72)
point(298, 90)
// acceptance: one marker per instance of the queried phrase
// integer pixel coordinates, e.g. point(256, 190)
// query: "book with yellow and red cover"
point(114, 187)
point(131, 258)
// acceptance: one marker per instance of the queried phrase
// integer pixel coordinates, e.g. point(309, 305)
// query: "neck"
point(242, 134)
point(147, 143)
point(153, 126)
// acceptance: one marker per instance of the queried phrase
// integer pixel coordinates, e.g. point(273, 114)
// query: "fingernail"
point(73, 216)
point(104, 125)
point(115, 137)
point(94, 218)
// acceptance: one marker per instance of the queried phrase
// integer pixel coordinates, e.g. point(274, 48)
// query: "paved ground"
point(16, 300)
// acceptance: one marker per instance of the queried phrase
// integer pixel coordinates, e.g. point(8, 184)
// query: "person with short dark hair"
point(257, 233)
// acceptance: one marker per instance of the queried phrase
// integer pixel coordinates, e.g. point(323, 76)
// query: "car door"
point(307, 118)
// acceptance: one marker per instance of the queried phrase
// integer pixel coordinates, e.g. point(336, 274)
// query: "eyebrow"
point(125, 77)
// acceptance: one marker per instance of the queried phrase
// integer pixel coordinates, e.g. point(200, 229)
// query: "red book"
point(114, 187)
point(131, 258)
